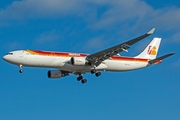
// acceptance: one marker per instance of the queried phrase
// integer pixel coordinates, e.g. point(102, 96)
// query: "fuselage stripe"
point(66, 54)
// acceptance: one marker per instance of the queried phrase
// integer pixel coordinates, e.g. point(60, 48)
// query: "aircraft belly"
point(72, 68)
point(124, 65)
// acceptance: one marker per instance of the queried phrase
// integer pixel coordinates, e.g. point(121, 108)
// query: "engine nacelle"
point(55, 74)
point(78, 61)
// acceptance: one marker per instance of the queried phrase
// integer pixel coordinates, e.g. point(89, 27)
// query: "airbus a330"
point(66, 63)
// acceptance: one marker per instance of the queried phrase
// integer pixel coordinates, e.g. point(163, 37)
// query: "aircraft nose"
point(4, 58)
point(7, 58)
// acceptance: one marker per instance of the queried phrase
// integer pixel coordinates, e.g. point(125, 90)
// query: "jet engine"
point(55, 74)
point(78, 61)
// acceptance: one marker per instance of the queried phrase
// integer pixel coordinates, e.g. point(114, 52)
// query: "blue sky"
point(89, 26)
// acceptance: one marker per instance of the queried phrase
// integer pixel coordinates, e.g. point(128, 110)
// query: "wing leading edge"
point(96, 58)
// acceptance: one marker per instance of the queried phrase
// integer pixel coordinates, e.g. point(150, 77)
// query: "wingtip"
point(172, 53)
point(151, 31)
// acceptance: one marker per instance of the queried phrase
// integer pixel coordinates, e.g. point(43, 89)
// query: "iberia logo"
point(152, 50)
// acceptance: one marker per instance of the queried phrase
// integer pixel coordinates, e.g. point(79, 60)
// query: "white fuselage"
point(61, 61)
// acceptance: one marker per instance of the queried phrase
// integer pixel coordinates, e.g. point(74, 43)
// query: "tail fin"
point(150, 52)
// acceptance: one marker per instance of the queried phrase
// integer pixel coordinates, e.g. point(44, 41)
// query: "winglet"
point(151, 31)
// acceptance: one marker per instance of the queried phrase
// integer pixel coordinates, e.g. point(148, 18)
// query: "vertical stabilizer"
point(150, 52)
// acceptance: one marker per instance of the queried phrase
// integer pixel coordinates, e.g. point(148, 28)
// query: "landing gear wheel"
point(20, 67)
point(84, 81)
point(98, 74)
point(21, 71)
point(79, 78)
point(93, 71)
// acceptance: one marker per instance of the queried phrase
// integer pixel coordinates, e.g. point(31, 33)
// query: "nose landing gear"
point(21, 69)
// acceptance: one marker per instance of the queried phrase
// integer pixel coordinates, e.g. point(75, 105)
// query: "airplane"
point(66, 63)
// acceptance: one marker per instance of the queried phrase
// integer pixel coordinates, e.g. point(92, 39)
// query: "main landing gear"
point(97, 74)
point(80, 78)
point(21, 69)
point(83, 81)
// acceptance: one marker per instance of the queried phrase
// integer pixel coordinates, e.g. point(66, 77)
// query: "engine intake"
point(78, 61)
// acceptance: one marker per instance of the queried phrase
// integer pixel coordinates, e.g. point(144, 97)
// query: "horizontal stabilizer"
point(154, 61)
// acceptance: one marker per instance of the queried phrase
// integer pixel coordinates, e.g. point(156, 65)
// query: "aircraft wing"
point(154, 61)
point(96, 58)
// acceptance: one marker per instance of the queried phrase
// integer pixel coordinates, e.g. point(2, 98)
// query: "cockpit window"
point(9, 53)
